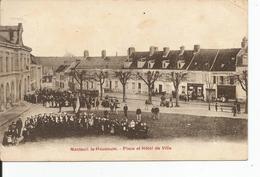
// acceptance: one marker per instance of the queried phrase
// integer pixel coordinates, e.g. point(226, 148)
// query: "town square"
point(157, 94)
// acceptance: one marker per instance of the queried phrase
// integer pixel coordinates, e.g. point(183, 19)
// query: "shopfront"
point(195, 91)
point(228, 91)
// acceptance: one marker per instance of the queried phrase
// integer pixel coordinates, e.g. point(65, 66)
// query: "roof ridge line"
point(214, 60)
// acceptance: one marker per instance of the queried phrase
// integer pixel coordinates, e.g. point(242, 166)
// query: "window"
point(12, 63)
point(21, 64)
point(116, 84)
point(139, 86)
point(183, 89)
point(214, 80)
point(221, 79)
point(28, 60)
point(133, 85)
point(7, 64)
point(24, 63)
point(231, 81)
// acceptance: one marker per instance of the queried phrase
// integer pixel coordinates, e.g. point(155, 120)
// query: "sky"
point(59, 27)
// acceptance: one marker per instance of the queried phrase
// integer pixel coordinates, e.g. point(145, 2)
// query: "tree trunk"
point(101, 91)
point(177, 98)
point(124, 93)
point(150, 95)
point(81, 88)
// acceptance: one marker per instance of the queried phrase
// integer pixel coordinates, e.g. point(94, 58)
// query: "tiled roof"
point(54, 61)
point(7, 34)
point(203, 60)
point(174, 56)
point(2, 39)
point(157, 57)
point(137, 56)
point(7, 28)
point(226, 60)
point(110, 62)
point(61, 68)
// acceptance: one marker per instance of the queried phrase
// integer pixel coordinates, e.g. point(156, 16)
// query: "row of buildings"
point(18, 74)
point(209, 71)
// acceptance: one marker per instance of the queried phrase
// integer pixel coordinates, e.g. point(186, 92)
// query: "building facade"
point(18, 74)
point(15, 66)
point(209, 72)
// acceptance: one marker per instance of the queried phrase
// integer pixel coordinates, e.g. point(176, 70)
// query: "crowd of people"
point(66, 98)
point(64, 125)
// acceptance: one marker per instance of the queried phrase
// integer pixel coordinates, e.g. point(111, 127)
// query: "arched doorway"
point(12, 92)
point(7, 93)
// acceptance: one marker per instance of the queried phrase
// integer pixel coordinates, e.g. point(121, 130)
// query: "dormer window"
point(142, 59)
point(127, 64)
point(165, 64)
point(206, 65)
point(180, 64)
point(150, 64)
point(140, 63)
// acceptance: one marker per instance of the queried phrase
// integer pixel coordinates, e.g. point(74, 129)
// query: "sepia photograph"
point(114, 80)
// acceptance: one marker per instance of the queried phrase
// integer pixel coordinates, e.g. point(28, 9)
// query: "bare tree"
point(242, 79)
point(79, 76)
point(177, 78)
point(100, 77)
point(149, 79)
point(123, 78)
point(209, 86)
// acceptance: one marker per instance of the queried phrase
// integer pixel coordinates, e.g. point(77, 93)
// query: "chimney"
point(166, 51)
point(103, 54)
point(244, 43)
point(153, 49)
point(182, 49)
point(196, 48)
point(130, 51)
point(86, 54)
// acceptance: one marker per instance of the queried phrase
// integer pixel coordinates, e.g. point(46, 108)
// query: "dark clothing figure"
point(234, 110)
point(125, 110)
point(156, 112)
point(238, 108)
point(138, 115)
point(138, 111)
point(97, 104)
point(19, 126)
point(216, 106)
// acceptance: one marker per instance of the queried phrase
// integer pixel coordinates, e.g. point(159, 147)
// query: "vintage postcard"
point(123, 80)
